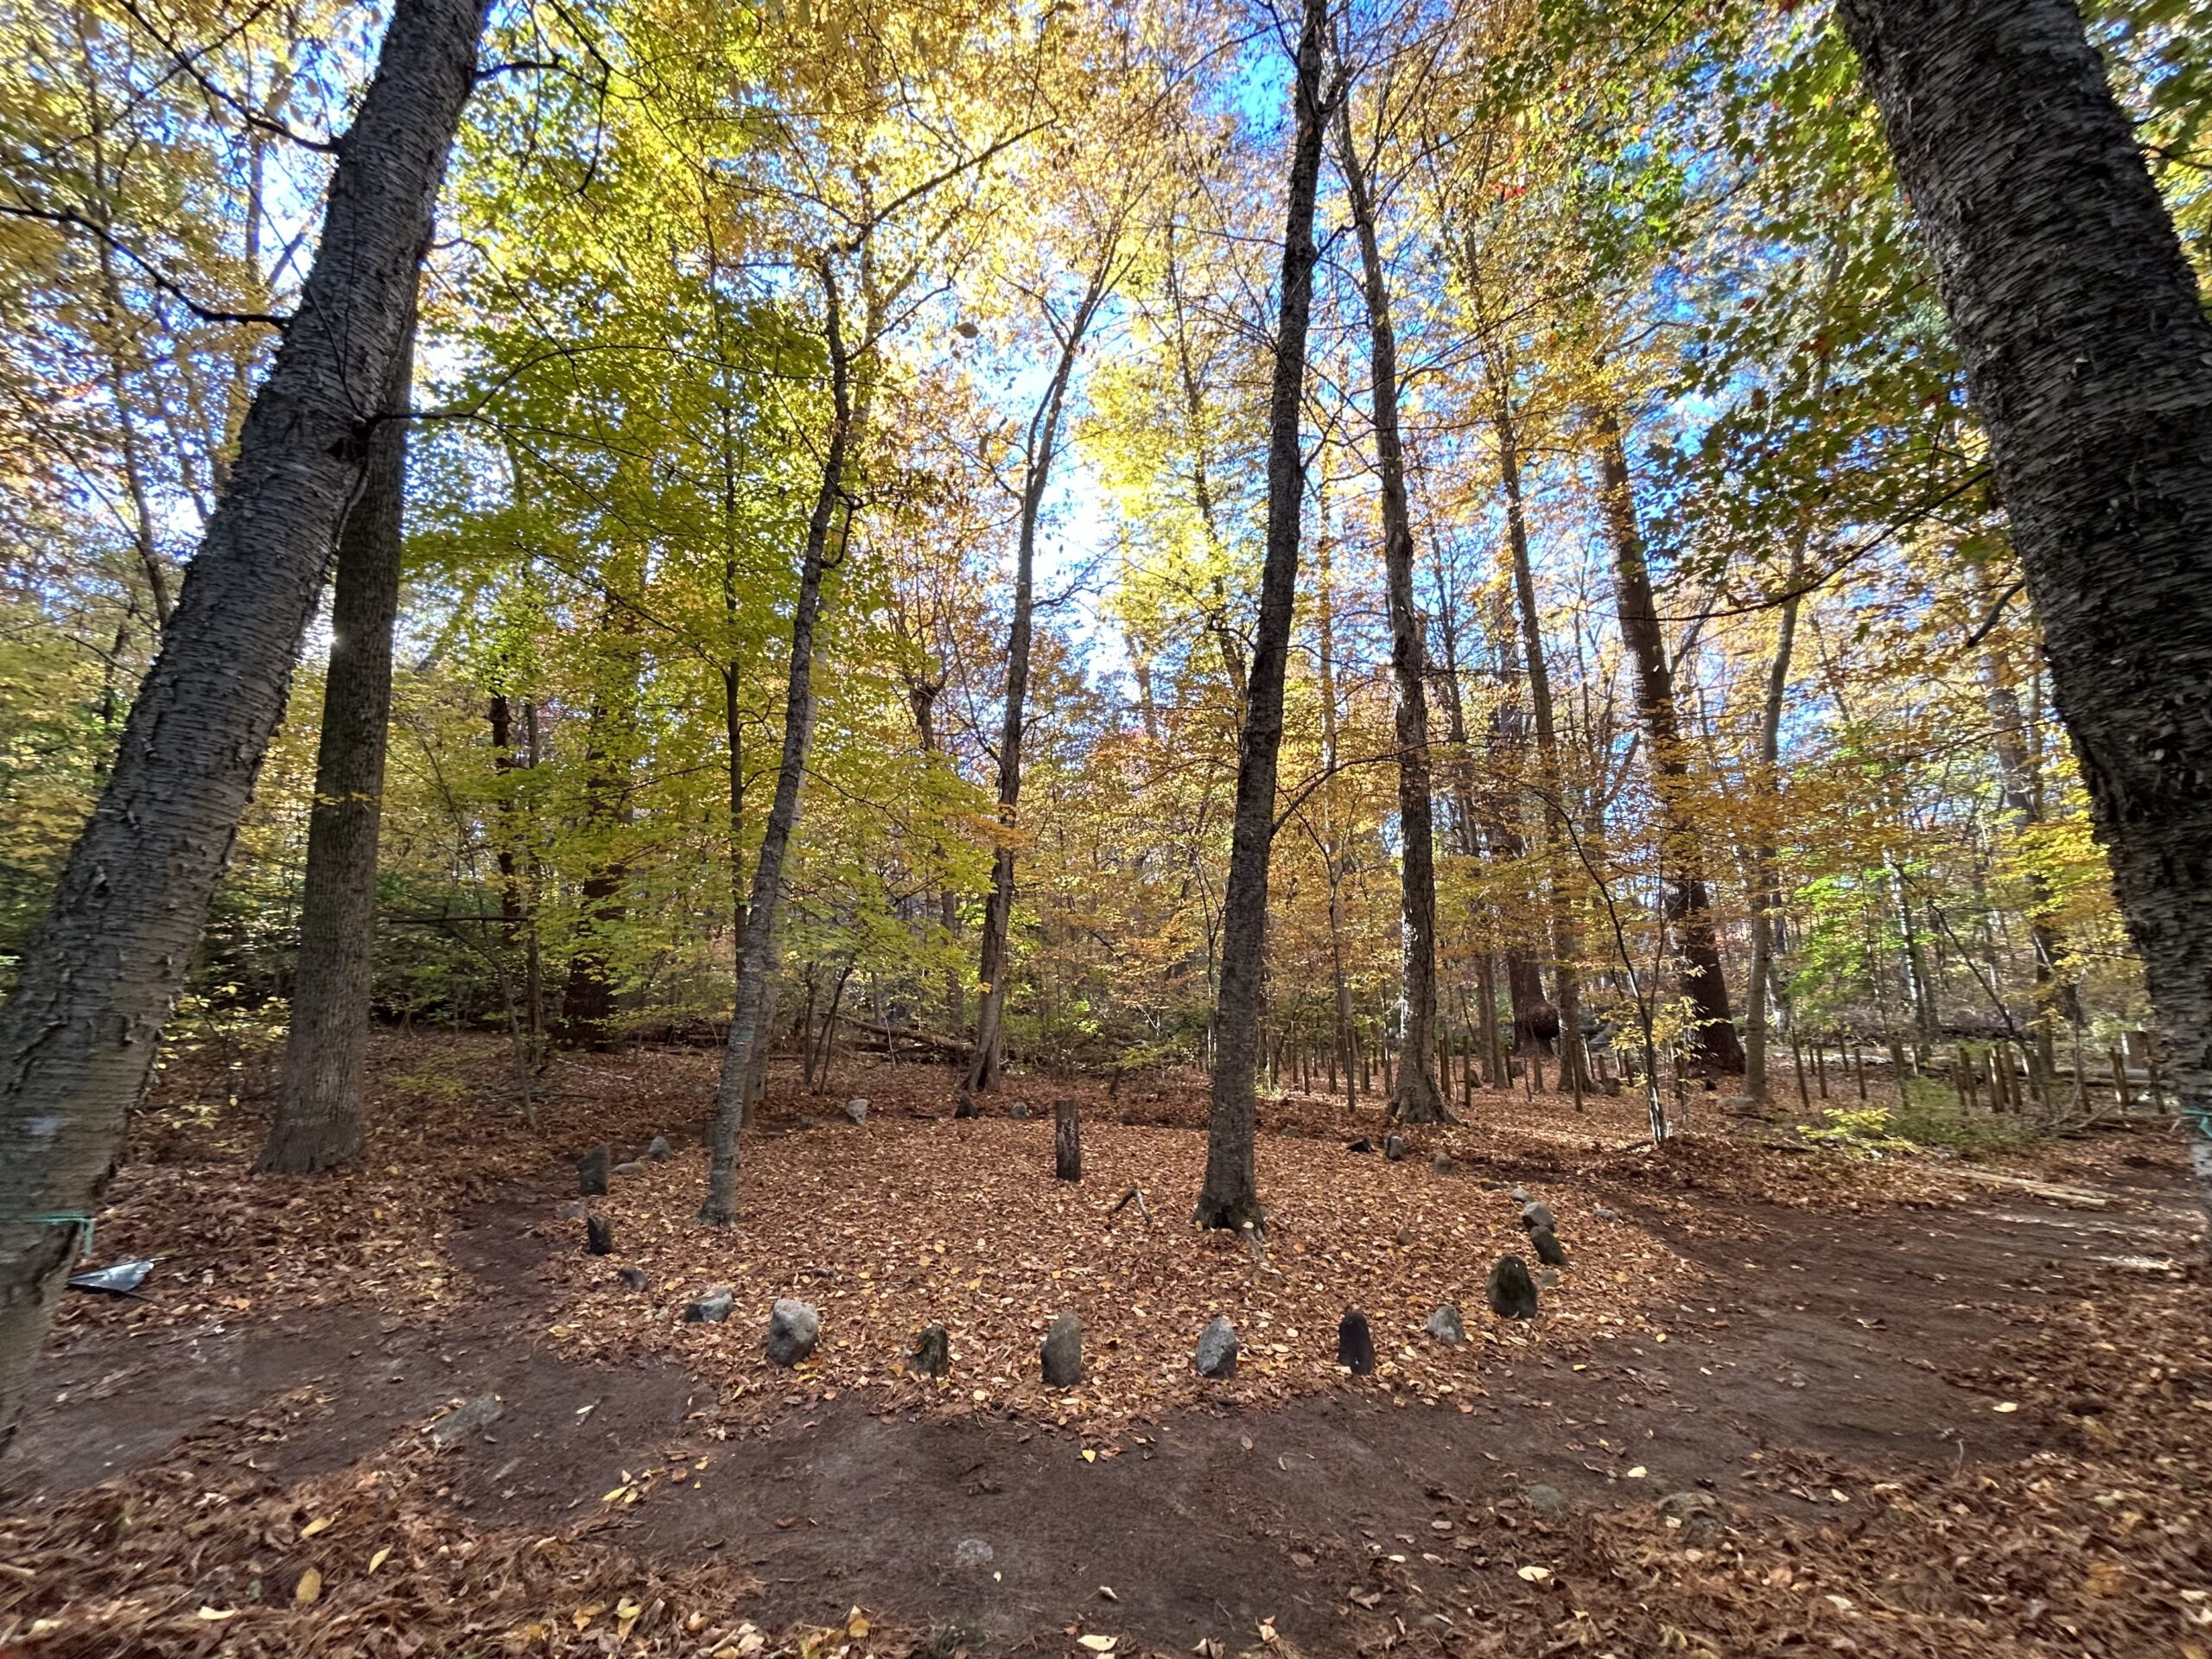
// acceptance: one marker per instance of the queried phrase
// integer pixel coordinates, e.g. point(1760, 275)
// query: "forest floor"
point(1780, 1397)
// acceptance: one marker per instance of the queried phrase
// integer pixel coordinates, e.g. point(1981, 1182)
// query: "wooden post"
point(1067, 1141)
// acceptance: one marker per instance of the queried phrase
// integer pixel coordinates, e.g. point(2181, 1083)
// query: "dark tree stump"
point(931, 1354)
point(592, 1170)
point(1512, 1291)
point(599, 1236)
point(1067, 1141)
point(1356, 1345)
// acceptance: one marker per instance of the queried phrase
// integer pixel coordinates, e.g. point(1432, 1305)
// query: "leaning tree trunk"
point(2088, 358)
point(998, 909)
point(1713, 1041)
point(79, 1035)
point(749, 1022)
point(318, 1123)
point(1230, 1197)
point(1415, 1097)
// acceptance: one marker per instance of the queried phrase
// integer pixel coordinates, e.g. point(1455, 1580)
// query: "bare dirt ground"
point(1888, 1411)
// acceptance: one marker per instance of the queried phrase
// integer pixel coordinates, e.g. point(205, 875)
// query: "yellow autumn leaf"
point(625, 1615)
point(1088, 1456)
point(216, 1615)
point(856, 1625)
point(1097, 1644)
point(320, 1523)
point(1535, 1574)
point(584, 1616)
point(310, 1586)
point(379, 1558)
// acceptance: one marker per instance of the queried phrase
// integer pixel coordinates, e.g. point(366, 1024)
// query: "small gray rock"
point(1446, 1325)
point(633, 1167)
point(1442, 1164)
point(1518, 1196)
point(792, 1327)
point(931, 1354)
point(575, 1209)
point(463, 1421)
point(1604, 1214)
point(1548, 1249)
point(1512, 1291)
point(713, 1307)
point(1394, 1147)
point(973, 1553)
point(1217, 1354)
point(857, 1110)
point(1019, 1108)
point(1697, 1515)
point(633, 1277)
point(1547, 1278)
point(1062, 1352)
point(659, 1151)
point(806, 1122)
point(1544, 1500)
point(1538, 1214)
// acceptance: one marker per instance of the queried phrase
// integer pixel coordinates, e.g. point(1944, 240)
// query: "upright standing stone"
point(1512, 1291)
point(1445, 1325)
point(659, 1151)
point(1062, 1352)
point(1356, 1344)
point(1067, 1141)
point(857, 1111)
point(712, 1308)
point(592, 1170)
point(599, 1236)
point(932, 1355)
point(1394, 1147)
point(1217, 1355)
point(1537, 1214)
point(1548, 1249)
point(965, 1106)
point(792, 1327)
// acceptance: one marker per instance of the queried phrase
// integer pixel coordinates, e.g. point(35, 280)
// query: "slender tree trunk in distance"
point(2088, 358)
point(79, 1033)
point(1332, 859)
point(1714, 1045)
point(318, 1123)
point(1414, 1096)
point(1229, 1196)
point(998, 909)
point(746, 1057)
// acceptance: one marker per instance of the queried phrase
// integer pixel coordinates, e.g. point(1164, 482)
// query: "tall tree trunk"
point(1414, 1096)
point(1766, 897)
point(998, 909)
point(319, 1117)
point(79, 1034)
point(1331, 843)
point(2088, 357)
point(1711, 1041)
point(1230, 1197)
point(748, 1025)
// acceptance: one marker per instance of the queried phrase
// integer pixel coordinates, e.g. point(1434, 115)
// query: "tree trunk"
point(1229, 1196)
point(998, 909)
point(1712, 1043)
point(1067, 1141)
point(2088, 358)
point(78, 1036)
point(319, 1117)
point(1415, 1097)
point(748, 1025)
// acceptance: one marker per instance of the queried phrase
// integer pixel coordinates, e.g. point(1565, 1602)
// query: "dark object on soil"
point(1360, 1144)
point(931, 1354)
point(633, 1277)
point(599, 1236)
point(1217, 1354)
point(1693, 1514)
point(1067, 1141)
point(1394, 1147)
point(1604, 1214)
point(1062, 1352)
point(633, 1167)
point(1019, 1108)
point(1512, 1291)
point(857, 1111)
point(1445, 1325)
point(592, 1172)
point(793, 1326)
point(712, 1308)
point(966, 1107)
point(659, 1151)
point(1538, 1214)
point(116, 1279)
point(1544, 1500)
point(461, 1422)
point(1356, 1344)
point(1442, 1164)
point(1548, 1248)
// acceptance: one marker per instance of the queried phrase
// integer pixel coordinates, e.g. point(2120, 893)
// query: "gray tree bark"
point(319, 1121)
point(2088, 358)
point(1414, 1096)
point(749, 1026)
point(1230, 1195)
point(998, 909)
point(78, 1036)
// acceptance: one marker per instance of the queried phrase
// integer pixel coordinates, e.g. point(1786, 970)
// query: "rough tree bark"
point(1415, 1097)
point(2088, 358)
point(749, 1023)
point(1230, 1195)
point(1043, 440)
point(318, 1123)
point(79, 1034)
point(1712, 1042)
